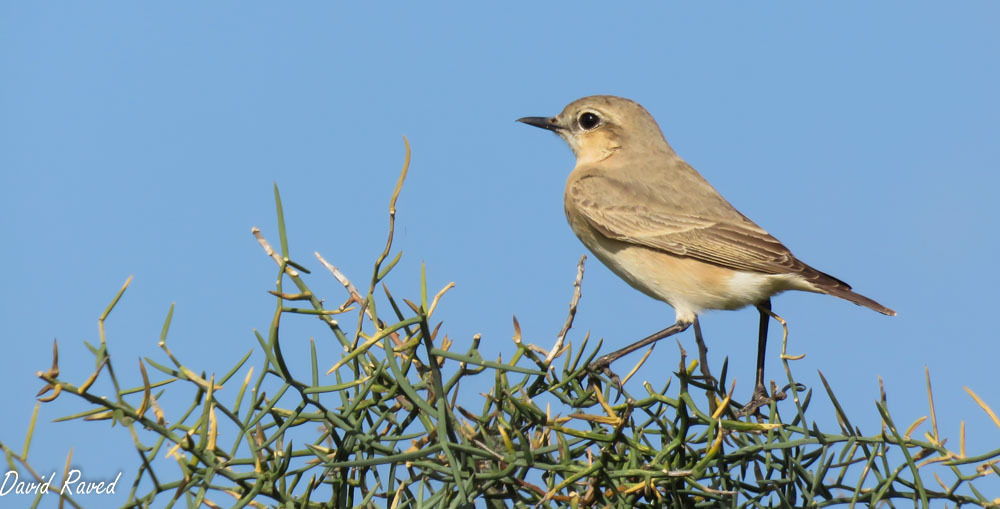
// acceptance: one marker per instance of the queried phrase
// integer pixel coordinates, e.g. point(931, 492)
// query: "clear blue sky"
point(139, 139)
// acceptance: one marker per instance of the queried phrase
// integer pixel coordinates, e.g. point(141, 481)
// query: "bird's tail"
point(830, 285)
point(857, 298)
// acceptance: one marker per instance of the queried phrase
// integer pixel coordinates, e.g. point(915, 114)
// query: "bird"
point(659, 225)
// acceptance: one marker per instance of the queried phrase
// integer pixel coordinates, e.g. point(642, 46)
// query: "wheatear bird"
point(660, 226)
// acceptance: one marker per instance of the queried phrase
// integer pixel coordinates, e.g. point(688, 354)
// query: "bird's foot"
point(603, 366)
point(759, 399)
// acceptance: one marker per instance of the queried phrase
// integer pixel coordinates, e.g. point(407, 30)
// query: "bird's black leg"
point(760, 397)
point(606, 360)
point(759, 390)
point(601, 364)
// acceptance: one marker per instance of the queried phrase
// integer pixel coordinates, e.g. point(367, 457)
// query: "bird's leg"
point(601, 364)
point(765, 316)
point(760, 397)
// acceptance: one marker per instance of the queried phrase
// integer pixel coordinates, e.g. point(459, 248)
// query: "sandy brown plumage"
point(660, 226)
point(657, 215)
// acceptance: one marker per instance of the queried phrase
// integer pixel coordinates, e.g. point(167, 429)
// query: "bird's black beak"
point(549, 123)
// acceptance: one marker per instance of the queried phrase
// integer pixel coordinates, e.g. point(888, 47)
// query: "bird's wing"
point(700, 225)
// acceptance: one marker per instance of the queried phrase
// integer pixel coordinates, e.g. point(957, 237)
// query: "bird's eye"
point(589, 121)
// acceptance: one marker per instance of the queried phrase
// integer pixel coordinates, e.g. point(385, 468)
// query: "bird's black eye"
point(589, 121)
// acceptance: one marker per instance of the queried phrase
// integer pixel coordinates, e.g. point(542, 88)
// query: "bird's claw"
point(759, 399)
point(602, 366)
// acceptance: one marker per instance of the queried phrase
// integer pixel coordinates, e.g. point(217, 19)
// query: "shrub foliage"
point(392, 430)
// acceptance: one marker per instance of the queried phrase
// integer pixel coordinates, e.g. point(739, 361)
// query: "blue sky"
point(144, 140)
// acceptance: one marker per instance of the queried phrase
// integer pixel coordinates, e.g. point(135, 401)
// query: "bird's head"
point(598, 126)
